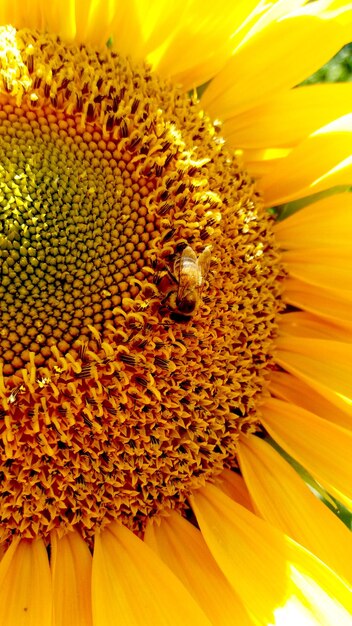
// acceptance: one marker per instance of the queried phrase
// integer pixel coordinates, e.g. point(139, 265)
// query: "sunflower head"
point(139, 290)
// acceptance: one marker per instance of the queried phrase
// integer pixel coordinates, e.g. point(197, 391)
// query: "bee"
point(191, 272)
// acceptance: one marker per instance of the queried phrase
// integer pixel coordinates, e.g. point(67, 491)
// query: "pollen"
point(114, 403)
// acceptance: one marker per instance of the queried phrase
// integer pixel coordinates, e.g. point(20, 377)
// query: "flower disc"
point(115, 404)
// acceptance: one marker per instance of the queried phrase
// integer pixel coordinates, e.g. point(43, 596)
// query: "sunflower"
point(159, 323)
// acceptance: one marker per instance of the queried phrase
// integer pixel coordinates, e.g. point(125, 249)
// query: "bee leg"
point(172, 276)
point(166, 297)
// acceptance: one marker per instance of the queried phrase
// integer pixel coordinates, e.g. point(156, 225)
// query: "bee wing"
point(187, 271)
point(204, 260)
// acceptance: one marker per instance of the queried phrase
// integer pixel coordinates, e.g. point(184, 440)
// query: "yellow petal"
point(296, 391)
point(280, 497)
point(71, 565)
point(140, 27)
point(131, 585)
point(171, 36)
point(59, 17)
point(332, 304)
point(341, 497)
point(94, 21)
point(326, 267)
point(324, 365)
point(322, 447)
point(321, 161)
point(259, 163)
point(263, 14)
point(197, 39)
point(181, 546)
point(3, 549)
point(303, 324)
point(289, 50)
point(25, 585)
point(325, 223)
point(290, 117)
point(278, 581)
point(56, 17)
point(22, 14)
point(233, 485)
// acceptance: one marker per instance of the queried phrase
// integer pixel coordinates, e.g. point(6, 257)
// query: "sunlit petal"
point(278, 581)
point(280, 496)
point(324, 160)
point(199, 39)
point(287, 119)
point(243, 84)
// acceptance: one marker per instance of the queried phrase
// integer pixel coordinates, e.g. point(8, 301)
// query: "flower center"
point(139, 291)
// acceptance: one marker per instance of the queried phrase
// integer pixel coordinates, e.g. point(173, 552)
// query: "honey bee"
point(191, 272)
